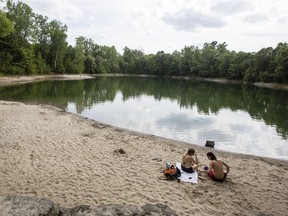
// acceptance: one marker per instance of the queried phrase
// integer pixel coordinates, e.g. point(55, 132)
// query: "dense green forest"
point(31, 44)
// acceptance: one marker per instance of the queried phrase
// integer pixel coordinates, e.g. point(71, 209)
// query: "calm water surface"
point(240, 119)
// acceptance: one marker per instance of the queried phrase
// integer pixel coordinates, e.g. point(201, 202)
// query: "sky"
point(169, 25)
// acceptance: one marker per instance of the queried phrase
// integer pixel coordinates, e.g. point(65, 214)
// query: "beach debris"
point(87, 135)
point(100, 126)
point(200, 177)
point(210, 143)
point(119, 151)
point(157, 159)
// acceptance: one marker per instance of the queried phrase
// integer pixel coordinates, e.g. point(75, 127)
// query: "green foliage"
point(93, 58)
point(162, 63)
point(90, 64)
point(186, 63)
point(41, 66)
point(132, 60)
point(74, 61)
point(281, 69)
point(239, 63)
point(58, 45)
point(6, 26)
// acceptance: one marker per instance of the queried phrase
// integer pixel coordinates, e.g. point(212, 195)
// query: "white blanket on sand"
point(187, 177)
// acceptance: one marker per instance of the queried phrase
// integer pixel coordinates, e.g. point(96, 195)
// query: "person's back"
point(216, 168)
point(189, 164)
point(187, 161)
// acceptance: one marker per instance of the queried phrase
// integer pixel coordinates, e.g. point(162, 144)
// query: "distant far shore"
point(10, 80)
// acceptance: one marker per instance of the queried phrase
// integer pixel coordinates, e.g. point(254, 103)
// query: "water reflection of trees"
point(260, 103)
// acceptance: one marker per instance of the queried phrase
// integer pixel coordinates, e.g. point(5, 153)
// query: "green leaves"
point(6, 26)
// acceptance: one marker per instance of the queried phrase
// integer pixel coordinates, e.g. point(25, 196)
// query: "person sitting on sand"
point(189, 164)
point(216, 168)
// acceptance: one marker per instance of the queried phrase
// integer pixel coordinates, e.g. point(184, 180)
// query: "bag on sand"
point(171, 173)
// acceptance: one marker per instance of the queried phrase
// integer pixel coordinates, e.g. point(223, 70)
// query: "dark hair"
point(191, 151)
point(211, 155)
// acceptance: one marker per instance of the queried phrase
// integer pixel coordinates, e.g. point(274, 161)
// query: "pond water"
point(242, 119)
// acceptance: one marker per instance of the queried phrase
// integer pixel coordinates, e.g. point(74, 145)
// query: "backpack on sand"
point(171, 173)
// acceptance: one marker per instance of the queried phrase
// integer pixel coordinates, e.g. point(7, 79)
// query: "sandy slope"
point(46, 152)
point(8, 80)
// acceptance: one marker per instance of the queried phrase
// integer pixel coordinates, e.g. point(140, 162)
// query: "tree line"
point(31, 44)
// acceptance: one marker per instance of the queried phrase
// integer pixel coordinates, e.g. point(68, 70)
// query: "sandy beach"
point(71, 160)
point(14, 80)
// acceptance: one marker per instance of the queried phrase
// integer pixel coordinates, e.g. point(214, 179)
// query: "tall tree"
point(238, 65)
point(20, 50)
point(224, 58)
point(58, 45)
point(186, 61)
point(282, 63)
point(42, 44)
point(209, 67)
point(6, 28)
point(130, 60)
point(23, 18)
point(263, 64)
point(111, 58)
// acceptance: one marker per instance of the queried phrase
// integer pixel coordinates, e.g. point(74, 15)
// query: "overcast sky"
point(168, 25)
